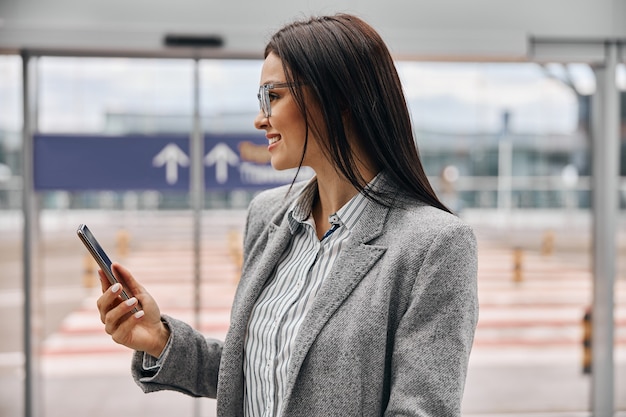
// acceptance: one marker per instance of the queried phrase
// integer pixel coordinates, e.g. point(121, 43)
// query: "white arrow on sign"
point(171, 156)
point(221, 156)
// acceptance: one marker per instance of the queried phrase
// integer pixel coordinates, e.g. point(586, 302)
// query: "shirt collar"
point(300, 210)
point(347, 216)
point(350, 213)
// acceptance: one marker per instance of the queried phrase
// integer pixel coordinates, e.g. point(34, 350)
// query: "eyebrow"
point(273, 82)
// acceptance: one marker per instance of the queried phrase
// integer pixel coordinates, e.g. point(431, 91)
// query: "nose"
point(260, 121)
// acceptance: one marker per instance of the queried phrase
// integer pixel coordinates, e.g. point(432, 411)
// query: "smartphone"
point(104, 262)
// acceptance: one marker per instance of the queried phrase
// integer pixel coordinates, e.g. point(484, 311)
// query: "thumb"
point(125, 277)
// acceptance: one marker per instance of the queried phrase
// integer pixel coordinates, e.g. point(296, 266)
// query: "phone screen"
point(104, 262)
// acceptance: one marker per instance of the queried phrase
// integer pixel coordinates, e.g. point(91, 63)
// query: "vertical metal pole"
point(197, 189)
point(605, 209)
point(505, 166)
point(28, 244)
point(505, 163)
point(197, 197)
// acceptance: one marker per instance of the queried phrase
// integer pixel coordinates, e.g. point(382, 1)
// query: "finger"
point(104, 281)
point(109, 300)
point(118, 315)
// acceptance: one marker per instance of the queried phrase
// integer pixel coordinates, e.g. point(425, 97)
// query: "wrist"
point(161, 340)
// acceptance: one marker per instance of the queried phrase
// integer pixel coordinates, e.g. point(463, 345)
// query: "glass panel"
point(522, 119)
point(115, 95)
point(150, 232)
point(228, 95)
point(11, 299)
point(228, 106)
point(507, 147)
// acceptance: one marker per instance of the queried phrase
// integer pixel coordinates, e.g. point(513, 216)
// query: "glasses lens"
point(264, 99)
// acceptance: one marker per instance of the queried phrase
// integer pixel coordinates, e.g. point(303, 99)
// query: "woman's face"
point(285, 128)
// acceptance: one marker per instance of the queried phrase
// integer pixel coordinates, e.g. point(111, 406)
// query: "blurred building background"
point(462, 112)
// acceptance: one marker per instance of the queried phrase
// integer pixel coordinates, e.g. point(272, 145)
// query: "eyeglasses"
point(264, 96)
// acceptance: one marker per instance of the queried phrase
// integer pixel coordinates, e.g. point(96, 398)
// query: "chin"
point(281, 165)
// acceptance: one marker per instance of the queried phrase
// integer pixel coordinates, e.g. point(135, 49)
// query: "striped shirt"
point(286, 298)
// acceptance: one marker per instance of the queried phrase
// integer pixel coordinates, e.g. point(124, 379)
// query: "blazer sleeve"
point(434, 336)
point(189, 364)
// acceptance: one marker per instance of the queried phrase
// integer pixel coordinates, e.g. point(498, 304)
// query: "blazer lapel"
point(278, 237)
point(277, 240)
point(349, 269)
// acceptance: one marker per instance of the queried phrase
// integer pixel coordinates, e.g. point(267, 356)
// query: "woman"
point(358, 290)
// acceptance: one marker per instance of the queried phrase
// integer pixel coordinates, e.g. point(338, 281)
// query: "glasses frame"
point(264, 96)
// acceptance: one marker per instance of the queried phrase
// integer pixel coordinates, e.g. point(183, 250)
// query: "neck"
point(334, 189)
point(332, 197)
point(333, 193)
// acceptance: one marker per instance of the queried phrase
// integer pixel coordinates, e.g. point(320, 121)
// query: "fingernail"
point(139, 314)
point(131, 301)
point(116, 287)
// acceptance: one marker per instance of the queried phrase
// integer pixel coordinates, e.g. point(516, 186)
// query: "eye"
point(273, 96)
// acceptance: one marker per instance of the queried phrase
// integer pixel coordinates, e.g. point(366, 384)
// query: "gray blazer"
point(389, 333)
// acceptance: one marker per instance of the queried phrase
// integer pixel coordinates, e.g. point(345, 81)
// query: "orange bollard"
point(89, 272)
point(518, 257)
point(236, 251)
point(587, 342)
point(547, 243)
point(123, 242)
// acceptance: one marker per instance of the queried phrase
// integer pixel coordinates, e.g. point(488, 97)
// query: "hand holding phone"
point(149, 334)
point(104, 262)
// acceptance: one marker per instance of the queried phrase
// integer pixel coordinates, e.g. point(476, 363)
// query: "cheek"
point(293, 127)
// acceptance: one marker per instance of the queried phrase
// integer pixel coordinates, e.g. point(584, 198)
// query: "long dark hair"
point(347, 68)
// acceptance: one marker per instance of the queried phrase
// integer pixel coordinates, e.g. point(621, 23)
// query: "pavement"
point(526, 361)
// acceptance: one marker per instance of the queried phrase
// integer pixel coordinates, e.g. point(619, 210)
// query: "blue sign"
point(137, 162)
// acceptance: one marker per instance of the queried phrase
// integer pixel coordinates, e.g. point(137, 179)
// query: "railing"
point(471, 192)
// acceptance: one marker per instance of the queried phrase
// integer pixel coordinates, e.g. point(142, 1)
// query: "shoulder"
point(270, 205)
point(416, 219)
point(273, 196)
point(268, 202)
point(437, 246)
point(423, 218)
point(426, 226)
